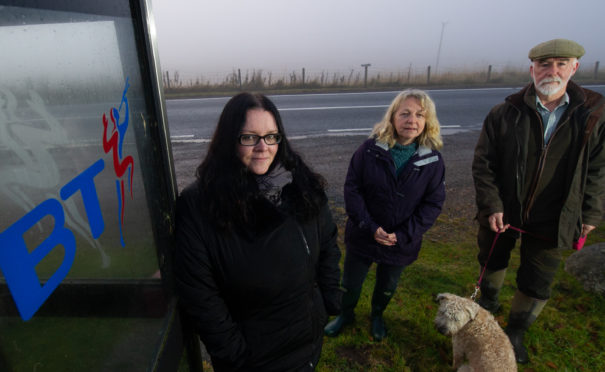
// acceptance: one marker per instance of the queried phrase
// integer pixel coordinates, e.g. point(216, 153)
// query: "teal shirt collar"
point(550, 119)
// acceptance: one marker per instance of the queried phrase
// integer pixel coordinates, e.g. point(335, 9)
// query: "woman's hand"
point(383, 238)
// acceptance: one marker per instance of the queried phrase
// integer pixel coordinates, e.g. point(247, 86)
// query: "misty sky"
point(212, 38)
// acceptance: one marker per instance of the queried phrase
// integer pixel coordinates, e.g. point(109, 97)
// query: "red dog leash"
point(477, 286)
point(577, 245)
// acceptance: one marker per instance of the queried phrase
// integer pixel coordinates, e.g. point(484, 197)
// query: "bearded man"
point(539, 166)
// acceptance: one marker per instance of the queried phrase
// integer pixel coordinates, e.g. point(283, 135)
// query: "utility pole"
point(439, 49)
point(365, 76)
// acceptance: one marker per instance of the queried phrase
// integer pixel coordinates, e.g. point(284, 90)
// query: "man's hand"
point(586, 229)
point(577, 245)
point(383, 238)
point(496, 222)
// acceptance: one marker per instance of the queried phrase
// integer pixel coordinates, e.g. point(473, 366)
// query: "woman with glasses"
point(256, 259)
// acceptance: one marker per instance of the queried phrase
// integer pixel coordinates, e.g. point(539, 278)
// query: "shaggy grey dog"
point(475, 335)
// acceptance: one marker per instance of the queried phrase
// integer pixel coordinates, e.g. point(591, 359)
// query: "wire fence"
point(355, 78)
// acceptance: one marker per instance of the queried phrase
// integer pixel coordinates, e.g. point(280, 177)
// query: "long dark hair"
point(229, 190)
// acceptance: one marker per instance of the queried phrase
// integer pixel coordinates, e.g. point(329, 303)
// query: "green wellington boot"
point(379, 330)
point(347, 315)
point(380, 300)
point(523, 312)
point(490, 290)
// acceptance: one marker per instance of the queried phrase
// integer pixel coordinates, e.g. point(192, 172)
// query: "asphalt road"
point(312, 115)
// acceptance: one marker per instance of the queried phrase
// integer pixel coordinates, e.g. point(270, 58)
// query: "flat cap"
point(556, 48)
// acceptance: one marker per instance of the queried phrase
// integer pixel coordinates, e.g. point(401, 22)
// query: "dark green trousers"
point(356, 269)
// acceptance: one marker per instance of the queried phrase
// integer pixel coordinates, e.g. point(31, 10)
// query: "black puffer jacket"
point(259, 297)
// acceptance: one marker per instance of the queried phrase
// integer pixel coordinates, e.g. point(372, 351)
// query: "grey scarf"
point(271, 184)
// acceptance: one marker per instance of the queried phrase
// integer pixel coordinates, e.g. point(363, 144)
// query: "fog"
point(210, 39)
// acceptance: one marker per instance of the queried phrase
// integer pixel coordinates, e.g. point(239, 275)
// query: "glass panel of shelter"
point(80, 285)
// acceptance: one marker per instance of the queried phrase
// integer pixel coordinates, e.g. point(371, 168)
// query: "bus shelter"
point(87, 191)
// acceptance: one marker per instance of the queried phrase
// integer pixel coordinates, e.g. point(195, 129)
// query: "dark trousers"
point(356, 269)
point(540, 260)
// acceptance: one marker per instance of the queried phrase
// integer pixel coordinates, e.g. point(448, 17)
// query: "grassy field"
point(569, 335)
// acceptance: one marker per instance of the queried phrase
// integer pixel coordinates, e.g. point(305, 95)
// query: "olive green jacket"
point(561, 183)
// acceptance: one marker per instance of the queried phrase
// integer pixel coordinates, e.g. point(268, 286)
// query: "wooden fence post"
point(365, 76)
point(428, 75)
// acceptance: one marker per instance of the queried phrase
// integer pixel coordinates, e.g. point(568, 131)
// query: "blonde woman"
point(393, 192)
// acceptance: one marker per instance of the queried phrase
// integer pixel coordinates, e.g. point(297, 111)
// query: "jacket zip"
point(532, 190)
point(312, 286)
point(540, 169)
point(302, 234)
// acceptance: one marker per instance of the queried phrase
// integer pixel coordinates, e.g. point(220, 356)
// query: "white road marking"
point(182, 136)
point(349, 130)
point(330, 108)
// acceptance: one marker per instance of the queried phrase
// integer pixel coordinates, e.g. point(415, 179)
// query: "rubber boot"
point(490, 290)
point(380, 300)
point(347, 314)
point(523, 312)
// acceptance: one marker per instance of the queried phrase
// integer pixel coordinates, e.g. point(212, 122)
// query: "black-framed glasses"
point(253, 139)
